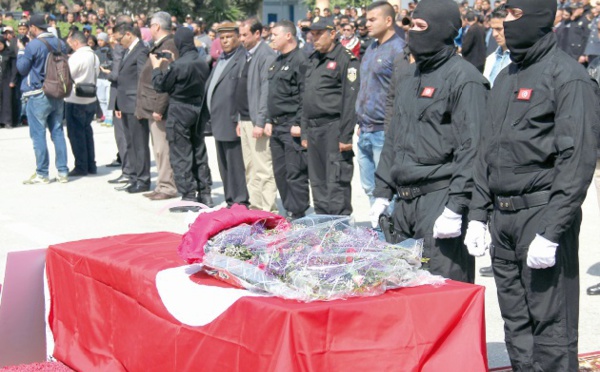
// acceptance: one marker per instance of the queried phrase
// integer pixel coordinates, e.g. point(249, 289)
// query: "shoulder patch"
point(352, 74)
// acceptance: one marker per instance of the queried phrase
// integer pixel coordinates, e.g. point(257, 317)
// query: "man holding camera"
point(152, 106)
point(80, 106)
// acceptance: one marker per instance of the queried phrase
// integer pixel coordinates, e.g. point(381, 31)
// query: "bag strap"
point(50, 48)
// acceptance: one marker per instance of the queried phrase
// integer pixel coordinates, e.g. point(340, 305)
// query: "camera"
point(165, 55)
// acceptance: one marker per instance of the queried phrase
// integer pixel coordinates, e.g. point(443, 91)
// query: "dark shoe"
point(77, 173)
point(115, 163)
point(206, 199)
point(149, 194)
point(184, 209)
point(124, 187)
point(594, 290)
point(486, 271)
point(137, 188)
point(121, 179)
point(161, 196)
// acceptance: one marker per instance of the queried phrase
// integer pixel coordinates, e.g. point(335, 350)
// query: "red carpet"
point(589, 362)
point(38, 367)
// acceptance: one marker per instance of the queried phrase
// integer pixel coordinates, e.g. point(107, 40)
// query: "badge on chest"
point(524, 94)
point(428, 92)
point(331, 65)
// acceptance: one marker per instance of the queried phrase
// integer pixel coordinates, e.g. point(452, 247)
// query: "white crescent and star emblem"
point(524, 94)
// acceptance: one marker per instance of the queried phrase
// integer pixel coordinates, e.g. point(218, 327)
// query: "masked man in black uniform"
point(185, 81)
point(430, 146)
point(533, 170)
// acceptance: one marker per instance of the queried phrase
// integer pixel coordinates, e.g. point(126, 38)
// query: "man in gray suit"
point(251, 99)
point(136, 130)
point(220, 95)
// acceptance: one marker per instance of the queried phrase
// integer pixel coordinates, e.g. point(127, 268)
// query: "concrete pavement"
point(35, 216)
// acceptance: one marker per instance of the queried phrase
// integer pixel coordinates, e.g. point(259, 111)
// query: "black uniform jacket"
point(332, 82)
point(435, 130)
point(286, 87)
point(540, 135)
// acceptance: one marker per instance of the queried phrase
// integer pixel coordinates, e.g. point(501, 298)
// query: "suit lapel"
point(127, 58)
point(235, 60)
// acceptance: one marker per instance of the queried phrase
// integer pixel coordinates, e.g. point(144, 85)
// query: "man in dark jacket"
point(184, 81)
point(430, 146)
point(152, 106)
point(220, 94)
point(531, 177)
point(136, 130)
point(473, 42)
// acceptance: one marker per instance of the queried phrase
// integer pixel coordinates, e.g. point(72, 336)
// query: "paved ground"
point(39, 215)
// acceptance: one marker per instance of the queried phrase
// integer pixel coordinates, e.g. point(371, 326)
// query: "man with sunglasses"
point(531, 177)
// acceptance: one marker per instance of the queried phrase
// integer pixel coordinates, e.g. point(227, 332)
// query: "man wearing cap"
point(42, 111)
point(328, 120)
point(531, 177)
point(220, 96)
point(430, 147)
point(251, 99)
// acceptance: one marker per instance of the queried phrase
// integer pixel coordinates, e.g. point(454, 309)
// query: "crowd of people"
point(454, 140)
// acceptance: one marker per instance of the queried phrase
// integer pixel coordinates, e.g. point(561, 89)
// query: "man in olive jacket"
point(153, 107)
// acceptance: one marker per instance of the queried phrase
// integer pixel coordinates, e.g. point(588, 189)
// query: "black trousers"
point(137, 135)
point(233, 172)
point(447, 257)
point(81, 136)
point(121, 141)
point(290, 168)
point(540, 307)
point(329, 170)
point(187, 150)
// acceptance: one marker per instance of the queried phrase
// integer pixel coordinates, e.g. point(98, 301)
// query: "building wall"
point(274, 11)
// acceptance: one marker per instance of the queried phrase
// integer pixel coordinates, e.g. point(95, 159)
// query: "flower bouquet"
point(313, 258)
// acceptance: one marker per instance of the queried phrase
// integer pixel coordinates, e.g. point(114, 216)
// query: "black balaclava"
point(443, 23)
point(537, 21)
point(184, 40)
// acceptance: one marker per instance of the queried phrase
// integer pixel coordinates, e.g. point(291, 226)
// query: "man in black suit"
point(136, 130)
point(220, 96)
point(473, 45)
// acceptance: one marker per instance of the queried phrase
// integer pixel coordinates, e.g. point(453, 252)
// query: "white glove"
point(475, 239)
point(447, 225)
point(542, 253)
point(379, 206)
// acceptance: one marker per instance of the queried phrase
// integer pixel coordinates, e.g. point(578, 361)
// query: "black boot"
point(594, 290)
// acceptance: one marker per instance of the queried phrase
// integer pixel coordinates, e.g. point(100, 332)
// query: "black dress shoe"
point(206, 199)
point(594, 290)
point(184, 209)
point(115, 163)
point(137, 188)
point(121, 179)
point(486, 271)
point(77, 173)
point(124, 187)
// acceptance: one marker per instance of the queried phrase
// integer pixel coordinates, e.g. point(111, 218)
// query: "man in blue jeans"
point(42, 112)
point(376, 70)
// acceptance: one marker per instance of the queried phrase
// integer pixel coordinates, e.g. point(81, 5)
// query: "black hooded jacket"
point(540, 136)
point(185, 78)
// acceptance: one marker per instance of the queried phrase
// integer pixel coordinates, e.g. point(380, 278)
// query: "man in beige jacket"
point(153, 106)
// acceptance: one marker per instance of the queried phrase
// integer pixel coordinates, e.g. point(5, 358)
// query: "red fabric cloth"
point(210, 224)
point(106, 316)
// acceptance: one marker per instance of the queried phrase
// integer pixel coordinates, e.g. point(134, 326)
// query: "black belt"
point(516, 203)
point(320, 121)
point(282, 119)
point(414, 191)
